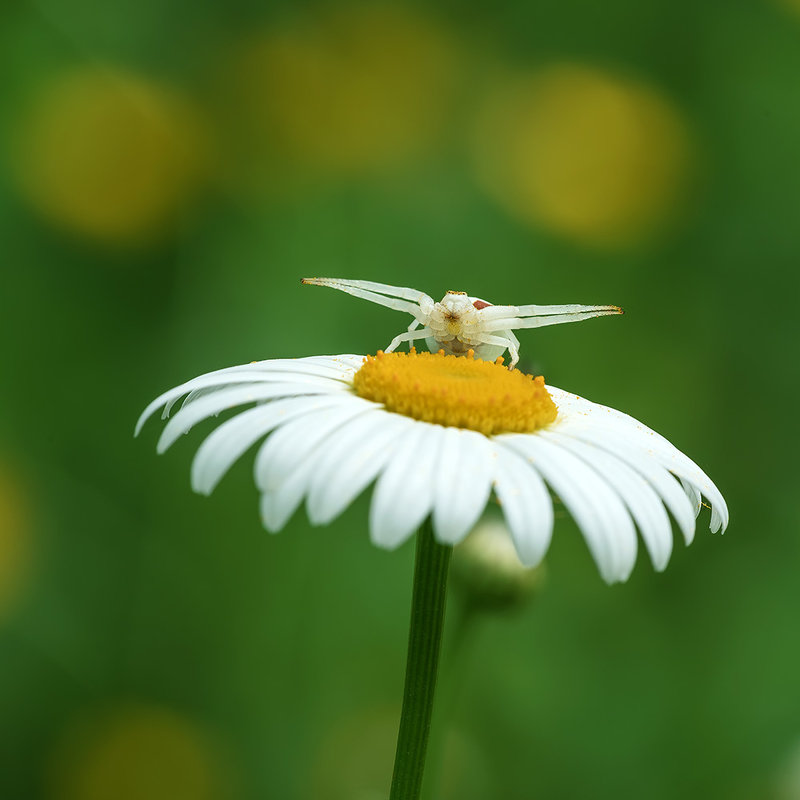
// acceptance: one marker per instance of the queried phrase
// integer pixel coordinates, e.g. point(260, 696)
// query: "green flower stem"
point(424, 641)
point(461, 631)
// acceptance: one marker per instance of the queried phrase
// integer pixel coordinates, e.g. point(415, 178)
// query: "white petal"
point(463, 483)
point(338, 368)
point(233, 438)
point(578, 412)
point(642, 501)
point(656, 475)
point(595, 506)
point(334, 367)
point(195, 393)
point(695, 498)
point(404, 493)
point(273, 518)
point(267, 377)
point(278, 505)
point(348, 361)
point(575, 410)
point(351, 460)
point(526, 505)
point(287, 462)
point(299, 439)
point(220, 401)
point(168, 399)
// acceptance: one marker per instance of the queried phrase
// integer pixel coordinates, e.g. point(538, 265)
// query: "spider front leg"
point(513, 348)
point(399, 298)
point(507, 341)
point(409, 336)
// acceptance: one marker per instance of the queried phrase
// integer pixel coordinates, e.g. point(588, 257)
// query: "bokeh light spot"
point(15, 540)
point(353, 90)
point(590, 155)
point(108, 154)
point(137, 753)
point(791, 5)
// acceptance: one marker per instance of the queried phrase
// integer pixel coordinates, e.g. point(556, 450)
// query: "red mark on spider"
point(479, 304)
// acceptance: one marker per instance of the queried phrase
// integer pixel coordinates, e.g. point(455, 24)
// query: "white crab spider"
point(459, 322)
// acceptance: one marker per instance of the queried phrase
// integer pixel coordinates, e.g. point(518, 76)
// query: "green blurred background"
point(168, 173)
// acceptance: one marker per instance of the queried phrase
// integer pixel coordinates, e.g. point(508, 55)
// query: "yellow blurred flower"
point(108, 154)
point(588, 154)
point(15, 540)
point(137, 753)
point(348, 91)
point(792, 5)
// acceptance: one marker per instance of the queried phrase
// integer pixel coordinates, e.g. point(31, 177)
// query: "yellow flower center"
point(456, 392)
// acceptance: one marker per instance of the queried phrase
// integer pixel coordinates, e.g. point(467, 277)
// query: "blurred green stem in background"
point(424, 641)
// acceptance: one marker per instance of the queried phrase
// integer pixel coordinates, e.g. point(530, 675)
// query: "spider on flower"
point(458, 322)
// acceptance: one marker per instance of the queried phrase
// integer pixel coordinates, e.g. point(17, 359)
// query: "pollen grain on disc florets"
point(456, 392)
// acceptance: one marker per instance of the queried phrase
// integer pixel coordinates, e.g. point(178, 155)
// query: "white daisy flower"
point(440, 435)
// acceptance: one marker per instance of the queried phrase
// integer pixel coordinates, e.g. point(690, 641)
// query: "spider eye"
point(479, 304)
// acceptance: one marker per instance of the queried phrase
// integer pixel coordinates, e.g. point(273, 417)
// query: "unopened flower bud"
point(487, 571)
